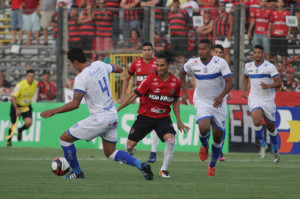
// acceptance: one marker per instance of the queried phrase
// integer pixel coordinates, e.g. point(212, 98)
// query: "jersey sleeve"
point(245, 70)
point(16, 91)
point(131, 70)
point(188, 66)
point(143, 87)
point(79, 84)
point(225, 70)
point(108, 67)
point(273, 71)
point(177, 90)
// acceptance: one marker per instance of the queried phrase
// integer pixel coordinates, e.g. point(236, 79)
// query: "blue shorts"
point(31, 22)
point(16, 19)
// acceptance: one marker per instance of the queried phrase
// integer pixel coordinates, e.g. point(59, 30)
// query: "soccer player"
point(213, 82)
point(264, 78)
point(92, 83)
point(142, 67)
point(160, 90)
point(22, 96)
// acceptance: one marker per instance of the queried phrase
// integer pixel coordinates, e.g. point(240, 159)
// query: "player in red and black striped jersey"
point(113, 6)
point(160, 90)
point(73, 28)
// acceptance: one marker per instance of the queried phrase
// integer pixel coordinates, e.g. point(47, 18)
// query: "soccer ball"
point(60, 166)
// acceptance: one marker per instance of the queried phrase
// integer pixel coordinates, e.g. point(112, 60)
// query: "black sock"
point(23, 128)
point(9, 132)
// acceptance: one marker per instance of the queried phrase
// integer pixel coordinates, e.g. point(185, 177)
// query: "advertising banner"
point(46, 132)
point(242, 136)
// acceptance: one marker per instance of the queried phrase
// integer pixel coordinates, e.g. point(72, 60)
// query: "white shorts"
point(90, 128)
point(226, 43)
point(268, 108)
point(217, 115)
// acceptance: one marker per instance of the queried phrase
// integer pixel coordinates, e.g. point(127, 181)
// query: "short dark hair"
point(148, 44)
point(165, 55)
point(219, 46)
point(29, 71)
point(76, 54)
point(259, 47)
point(206, 41)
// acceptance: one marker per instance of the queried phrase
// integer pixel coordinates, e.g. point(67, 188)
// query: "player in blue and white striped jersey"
point(264, 78)
point(213, 82)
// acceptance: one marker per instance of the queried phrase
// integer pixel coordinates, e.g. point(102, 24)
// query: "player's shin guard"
point(204, 139)
point(216, 148)
point(274, 140)
point(259, 132)
point(154, 139)
point(70, 155)
point(126, 158)
point(168, 153)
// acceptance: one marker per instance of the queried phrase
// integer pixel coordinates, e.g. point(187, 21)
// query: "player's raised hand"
point(48, 113)
point(218, 102)
point(182, 127)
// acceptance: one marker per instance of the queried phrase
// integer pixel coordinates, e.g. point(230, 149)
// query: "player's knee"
point(204, 130)
point(257, 123)
point(271, 128)
point(170, 141)
point(217, 139)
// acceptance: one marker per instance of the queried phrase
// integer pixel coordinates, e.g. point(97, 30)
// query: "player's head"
point(218, 50)
point(280, 3)
point(205, 48)
point(29, 76)
point(76, 57)
point(263, 3)
point(290, 73)
point(147, 50)
point(163, 62)
point(258, 53)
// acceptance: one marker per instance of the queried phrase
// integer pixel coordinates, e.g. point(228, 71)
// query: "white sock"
point(154, 139)
point(113, 155)
point(64, 143)
point(168, 153)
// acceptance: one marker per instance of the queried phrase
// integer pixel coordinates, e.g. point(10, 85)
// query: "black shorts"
point(279, 46)
point(144, 125)
point(24, 115)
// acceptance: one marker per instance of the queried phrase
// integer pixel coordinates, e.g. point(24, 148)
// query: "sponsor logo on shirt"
point(140, 78)
point(157, 90)
point(161, 98)
point(109, 106)
point(158, 110)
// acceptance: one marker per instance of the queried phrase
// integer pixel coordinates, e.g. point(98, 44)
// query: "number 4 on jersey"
point(105, 87)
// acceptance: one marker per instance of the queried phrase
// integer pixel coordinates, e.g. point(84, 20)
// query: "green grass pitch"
point(26, 173)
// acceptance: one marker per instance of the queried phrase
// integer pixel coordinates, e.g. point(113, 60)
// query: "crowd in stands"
point(96, 25)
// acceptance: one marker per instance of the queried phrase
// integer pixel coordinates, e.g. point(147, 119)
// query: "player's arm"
point(244, 87)
point(125, 85)
point(74, 104)
point(276, 84)
point(117, 68)
point(128, 100)
point(228, 86)
point(176, 110)
point(185, 95)
point(252, 23)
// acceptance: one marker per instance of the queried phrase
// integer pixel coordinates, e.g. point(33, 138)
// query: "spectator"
point(297, 13)
point(179, 22)
point(223, 29)
point(260, 22)
point(47, 9)
point(16, 19)
point(3, 82)
point(73, 28)
point(169, 3)
point(134, 42)
point(113, 5)
point(47, 90)
point(87, 27)
point(209, 5)
point(206, 31)
point(280, 34)
point(160, 43)
point(298, 85)
point(131, 17)
point(31, 20)
point(54, 22)
point(191, 7)
point(289, 84)
point(104, 26)
point(158, 12)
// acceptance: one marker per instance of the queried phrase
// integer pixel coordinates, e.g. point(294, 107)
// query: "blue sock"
point(70, 155)
point(274, 140)
point(204, 139)
point(259, 131)
point(216, 148)
point(128, 159)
